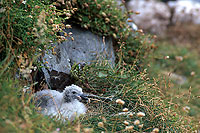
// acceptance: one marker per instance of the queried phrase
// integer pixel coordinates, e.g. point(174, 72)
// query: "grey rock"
point(185, 11)
point(154, 15)
point(86, 48)
point(179, 79)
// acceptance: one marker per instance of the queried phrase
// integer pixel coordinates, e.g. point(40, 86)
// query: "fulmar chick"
point(65, 105)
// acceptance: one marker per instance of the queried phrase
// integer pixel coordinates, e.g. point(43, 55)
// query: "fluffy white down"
point(52, 104)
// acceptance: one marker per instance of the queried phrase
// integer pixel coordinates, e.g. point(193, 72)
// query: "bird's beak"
point(84, 96)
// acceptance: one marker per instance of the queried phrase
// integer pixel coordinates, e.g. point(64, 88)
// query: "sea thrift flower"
point(126, 123)
point(75, 9)
point(100, 124)
point(129, 127)
point(68, 26)
point(57, 130)
point(87, 130)
point(166, 57)
point(37, 7)
point(130, 114)
point(51, 21)
point(137, 13)
point(140, 126)
point(114, 35)
point(155, 130)
point(140, 114)
point(186, 109)
point(104, 14)
point(104, 119)
point(68, 14)
point(179, 58)
point(98, 6)
point(140, 31)
point(107, 20)
point(24, 2)
point(154, 36)
point(192, 73)
point(125, 110)
point(119, 101)
point(136, 122)
point(30, 16)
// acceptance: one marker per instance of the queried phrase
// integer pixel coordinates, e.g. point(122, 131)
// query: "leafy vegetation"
point(29, 27)
point(106, 18)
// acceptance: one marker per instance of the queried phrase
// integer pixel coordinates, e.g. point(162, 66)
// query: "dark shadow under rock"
point(59, 80)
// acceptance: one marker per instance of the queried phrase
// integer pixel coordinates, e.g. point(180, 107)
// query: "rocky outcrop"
point(85, 48)
point(178, 79)
point(154, 16)
point(185, 11)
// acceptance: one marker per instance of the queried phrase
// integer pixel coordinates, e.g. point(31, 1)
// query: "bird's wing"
point(47, 98)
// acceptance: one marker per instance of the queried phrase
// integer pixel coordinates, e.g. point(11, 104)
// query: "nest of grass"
point(139, 93)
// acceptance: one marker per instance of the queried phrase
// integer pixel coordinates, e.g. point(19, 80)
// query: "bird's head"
point(72, 93)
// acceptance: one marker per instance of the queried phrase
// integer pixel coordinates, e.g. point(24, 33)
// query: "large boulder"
point(154, 15)
point(185, 11)
point(85, 48)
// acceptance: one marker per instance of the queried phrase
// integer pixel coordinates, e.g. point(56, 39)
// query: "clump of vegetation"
point(106, 18)
point(137, 93)
point(26, 29)
point(29, 27)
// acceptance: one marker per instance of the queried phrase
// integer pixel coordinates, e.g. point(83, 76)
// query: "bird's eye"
point(73, 92)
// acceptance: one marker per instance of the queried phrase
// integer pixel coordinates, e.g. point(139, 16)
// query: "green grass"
point(20, 41)
point(183, 94)
point(123, 82)
point(136, 89)
point(140, 93)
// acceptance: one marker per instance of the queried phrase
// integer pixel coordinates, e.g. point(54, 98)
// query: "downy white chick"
point(65, 105)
